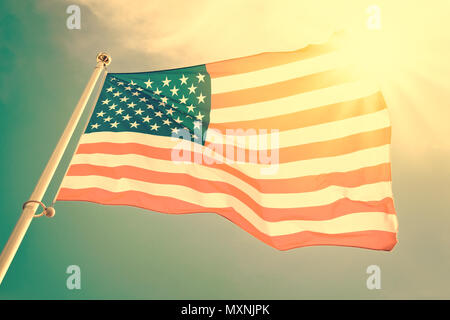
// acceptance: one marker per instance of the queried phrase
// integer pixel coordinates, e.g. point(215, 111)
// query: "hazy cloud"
point(144, 35)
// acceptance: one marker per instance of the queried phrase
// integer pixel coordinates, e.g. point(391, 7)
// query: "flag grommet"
point(48, 211)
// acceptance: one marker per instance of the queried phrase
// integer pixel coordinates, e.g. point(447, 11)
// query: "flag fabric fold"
point(293, 147)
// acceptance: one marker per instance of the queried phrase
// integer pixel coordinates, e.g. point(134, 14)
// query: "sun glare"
point(406, 55)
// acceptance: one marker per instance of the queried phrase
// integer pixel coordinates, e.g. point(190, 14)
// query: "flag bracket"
point(47, 211)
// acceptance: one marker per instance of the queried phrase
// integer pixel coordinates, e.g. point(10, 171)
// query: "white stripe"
point(342, 163)
point(317, 133)
point(368, 192)
point(279, 73)
point(303, 101)
point(348, 223)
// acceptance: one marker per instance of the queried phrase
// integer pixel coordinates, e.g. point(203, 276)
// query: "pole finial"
point(104, 57)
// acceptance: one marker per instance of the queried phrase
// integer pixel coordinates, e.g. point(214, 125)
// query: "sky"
point(129, 253)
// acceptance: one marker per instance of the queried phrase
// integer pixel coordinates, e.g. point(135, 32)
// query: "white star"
point(100, 114)
point(135, 93)
point(134, 124)
point(143, 99)
point(199, 116)
point(197, 124)
point(148, 83)
point(113, 106)
point(174, 90)
point(124, 99)
point(131, 105)
point(94, 126)
point(154, 127)
point(167, 122)
point(113, 79)
point(190, 108)
point(139, 111)
point(128, 88)
point(139, 89)
point(127, 117)
point(164, 99)
point(175, 130)
point(120, 83)
point(107, 119)
point(106, 101)
point(147, 119)
point(201, 98)
point(200, 77)
point(114, 124)
point(166, 82)
point(119, 111)
point(169, 111)
point(158, 114)
point(117, 93)
point(133, 83)
point(183, 79)
point(192, 89)
point(178, 120)
point(183, 100)
point(149, 106)
point(157, 91)
point(110, 89)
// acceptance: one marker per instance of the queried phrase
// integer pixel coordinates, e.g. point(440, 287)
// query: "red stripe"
point(322, 149)
point(270, 59)
point(371, 239)
point(349, 179)
point(329, 148)
point(306, 118)
point(284, 88)
point(338, 208)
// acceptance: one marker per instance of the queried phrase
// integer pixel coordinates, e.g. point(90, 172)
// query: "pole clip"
point(48, 211)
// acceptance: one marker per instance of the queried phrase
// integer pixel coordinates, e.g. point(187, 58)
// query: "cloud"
point(218, 29)
point(145, 35)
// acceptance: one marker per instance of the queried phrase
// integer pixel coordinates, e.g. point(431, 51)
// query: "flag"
point(293, 147)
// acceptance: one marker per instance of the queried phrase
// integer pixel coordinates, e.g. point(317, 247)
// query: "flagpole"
point(30, 207)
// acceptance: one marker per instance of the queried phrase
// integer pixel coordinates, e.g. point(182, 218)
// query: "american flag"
point(293, 147)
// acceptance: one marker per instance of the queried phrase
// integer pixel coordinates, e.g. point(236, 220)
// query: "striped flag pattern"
point(293, 147)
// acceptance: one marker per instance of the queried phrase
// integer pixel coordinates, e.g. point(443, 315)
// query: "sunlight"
point(406, 57)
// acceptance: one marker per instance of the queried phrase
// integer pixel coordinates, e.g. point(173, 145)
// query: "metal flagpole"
point(30, 207)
